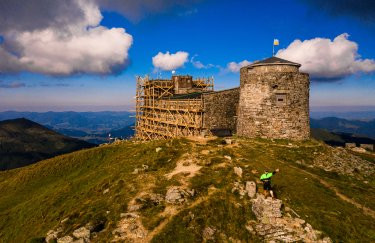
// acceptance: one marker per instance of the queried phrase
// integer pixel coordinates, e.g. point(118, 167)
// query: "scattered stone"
point(238, 171)
point(178, 195)
point(208, 233)
point(129, 229)
point(228, 141)
point(227, 157)
point(255, 172)
point(344, 162)
point(65, 239)
point(251, 188)
point(82, 233)
point(106, 191)
point(157, 149)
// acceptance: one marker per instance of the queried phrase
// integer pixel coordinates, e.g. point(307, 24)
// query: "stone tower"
point(274, 100)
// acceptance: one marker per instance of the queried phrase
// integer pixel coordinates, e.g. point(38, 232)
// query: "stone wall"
point(274, 104)
point(220, 109)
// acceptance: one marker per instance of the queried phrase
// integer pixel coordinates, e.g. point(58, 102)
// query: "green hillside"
point(97, 187)
point(23, 142)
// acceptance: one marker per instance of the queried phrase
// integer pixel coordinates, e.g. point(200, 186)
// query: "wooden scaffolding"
point(160, 115)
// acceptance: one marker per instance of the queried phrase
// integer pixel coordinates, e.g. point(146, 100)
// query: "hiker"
point(266, 179)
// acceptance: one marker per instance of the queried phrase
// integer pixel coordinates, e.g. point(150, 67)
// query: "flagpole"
point(273, 49)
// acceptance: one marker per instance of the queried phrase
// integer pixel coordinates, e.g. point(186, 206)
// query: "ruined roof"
point(274, 61)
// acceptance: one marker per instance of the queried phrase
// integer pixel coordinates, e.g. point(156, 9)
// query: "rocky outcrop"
point(178, 195)
point(273, 226)
point(129, 228)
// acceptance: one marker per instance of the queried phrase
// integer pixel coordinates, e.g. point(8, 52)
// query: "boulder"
point(251, 188)
point(173, 195)
point(238, 171)
point(82, 233)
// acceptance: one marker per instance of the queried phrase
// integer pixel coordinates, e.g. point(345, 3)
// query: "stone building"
point(271, 102)
point(274, 100)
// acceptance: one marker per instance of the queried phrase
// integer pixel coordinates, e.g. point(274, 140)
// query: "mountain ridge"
point(129, 189)
point(23, 142)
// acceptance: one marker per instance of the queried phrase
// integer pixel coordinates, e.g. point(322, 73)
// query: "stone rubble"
point(129, 228)
point(178, 195)
point(273, 226)
point(343, 162)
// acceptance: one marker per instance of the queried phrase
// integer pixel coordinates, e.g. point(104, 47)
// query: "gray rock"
point(65, 239)
point(238, 171)
point(82, 233)
point(173, 195)
point(158, 150)
point(208, 233)
point(251, 188)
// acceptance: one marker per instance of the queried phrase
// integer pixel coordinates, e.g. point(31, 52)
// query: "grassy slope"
point(23, 142)
point(36, 198)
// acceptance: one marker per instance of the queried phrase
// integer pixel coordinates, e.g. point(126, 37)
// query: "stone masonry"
point(220, 109)
point(274, 101)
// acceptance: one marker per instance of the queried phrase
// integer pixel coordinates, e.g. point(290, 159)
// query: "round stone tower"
point(274, 100)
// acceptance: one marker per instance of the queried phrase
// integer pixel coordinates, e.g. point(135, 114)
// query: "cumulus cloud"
point(327, 59)
point(66, 40)
point(363, 10)
point(12, 85)
point(168, 62)
point(235, 67)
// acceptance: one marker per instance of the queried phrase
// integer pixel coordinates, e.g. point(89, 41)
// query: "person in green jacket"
point(266, 179)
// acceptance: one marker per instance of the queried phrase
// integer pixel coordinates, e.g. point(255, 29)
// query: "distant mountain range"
point(93, 127)
point(23, 142)
point(339, 125)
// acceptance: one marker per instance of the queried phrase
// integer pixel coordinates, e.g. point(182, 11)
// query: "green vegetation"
point(96, 185)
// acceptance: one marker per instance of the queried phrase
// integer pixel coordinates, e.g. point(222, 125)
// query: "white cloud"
point(169, 61)
point(235, 67)
point(80, 45)
point(199, 64)
point(327, 59)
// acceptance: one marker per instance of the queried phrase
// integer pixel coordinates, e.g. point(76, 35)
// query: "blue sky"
point(214, 33)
